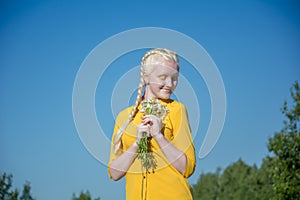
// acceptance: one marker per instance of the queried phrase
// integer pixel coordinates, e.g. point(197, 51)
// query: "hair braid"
point(117, 139)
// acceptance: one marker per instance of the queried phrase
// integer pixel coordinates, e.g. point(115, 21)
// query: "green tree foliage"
point(238, 181)
point(285, 151)
point(264, 183)
point(26, 192)
point(208, 186)
point(84, 196)
point(7, 193)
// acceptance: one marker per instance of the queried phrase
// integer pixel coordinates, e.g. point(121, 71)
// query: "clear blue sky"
point(255, 44)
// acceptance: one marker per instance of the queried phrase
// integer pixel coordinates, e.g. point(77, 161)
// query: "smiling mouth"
point(167, 90)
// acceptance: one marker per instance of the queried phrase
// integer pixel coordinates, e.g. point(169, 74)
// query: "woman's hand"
point(142, 128)
point(154, 123)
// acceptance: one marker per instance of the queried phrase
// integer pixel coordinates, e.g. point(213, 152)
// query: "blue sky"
point(255, 45)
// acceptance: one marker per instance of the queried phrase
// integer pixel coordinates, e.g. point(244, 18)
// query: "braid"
point(165, 54)
point(117, 139)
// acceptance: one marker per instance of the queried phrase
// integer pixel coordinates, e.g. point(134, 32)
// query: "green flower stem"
point(145, 154)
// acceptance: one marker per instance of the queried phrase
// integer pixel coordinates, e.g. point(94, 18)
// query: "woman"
point(170, 138)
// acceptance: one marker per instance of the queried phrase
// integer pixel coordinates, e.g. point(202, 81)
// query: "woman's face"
point(162, 81)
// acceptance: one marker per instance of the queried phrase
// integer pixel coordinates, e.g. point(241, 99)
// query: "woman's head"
point(157, 56)
point(159, 71)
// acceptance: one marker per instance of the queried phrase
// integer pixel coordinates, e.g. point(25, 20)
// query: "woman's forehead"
point(166, 67)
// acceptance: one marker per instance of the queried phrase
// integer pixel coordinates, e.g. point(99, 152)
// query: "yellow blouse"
point(165, 182)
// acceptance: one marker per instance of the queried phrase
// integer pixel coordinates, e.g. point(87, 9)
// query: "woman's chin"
point(164, 96)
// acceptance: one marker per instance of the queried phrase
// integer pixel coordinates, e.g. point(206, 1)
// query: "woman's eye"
point(162, 77)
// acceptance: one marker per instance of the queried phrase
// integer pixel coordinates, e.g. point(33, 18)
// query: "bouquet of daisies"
point(149, 107)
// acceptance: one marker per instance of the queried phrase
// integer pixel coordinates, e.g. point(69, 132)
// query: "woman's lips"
point(167, 90)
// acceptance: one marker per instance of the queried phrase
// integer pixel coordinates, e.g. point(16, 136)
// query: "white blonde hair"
point(151, 57)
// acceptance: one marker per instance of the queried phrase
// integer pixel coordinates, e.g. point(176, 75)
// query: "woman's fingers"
point(147, 121)
point(153, 122)
point(141, 128)
point(150, 119)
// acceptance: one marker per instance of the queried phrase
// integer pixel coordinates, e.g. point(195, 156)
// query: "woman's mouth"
point(167, 90)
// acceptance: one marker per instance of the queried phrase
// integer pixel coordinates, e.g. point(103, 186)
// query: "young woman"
point(170, 138)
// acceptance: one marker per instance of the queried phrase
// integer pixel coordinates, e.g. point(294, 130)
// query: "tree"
point(26, 192)
point(6, 191)
point(207, 187)
point(238, 182)
point(84, 196)
point(263, 187)
point(284, 150)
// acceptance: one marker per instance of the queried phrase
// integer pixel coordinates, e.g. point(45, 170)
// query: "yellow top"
point(165, 182)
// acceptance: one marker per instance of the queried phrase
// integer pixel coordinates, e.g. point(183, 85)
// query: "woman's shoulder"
point(176, 105)
point(123, 114)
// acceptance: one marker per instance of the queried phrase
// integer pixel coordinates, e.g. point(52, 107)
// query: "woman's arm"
point(176, 157)
point(121, 164)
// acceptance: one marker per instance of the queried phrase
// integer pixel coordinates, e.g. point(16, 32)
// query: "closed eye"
point(163, 77)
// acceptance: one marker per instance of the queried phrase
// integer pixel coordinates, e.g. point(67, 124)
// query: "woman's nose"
point(169, 82)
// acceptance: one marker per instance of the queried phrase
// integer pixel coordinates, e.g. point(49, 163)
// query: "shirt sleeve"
point(183, 138)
